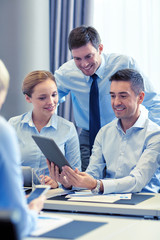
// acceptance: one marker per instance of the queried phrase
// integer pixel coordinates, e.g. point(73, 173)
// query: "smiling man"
point(126, 96)
point(91, 102)
point(126, 152)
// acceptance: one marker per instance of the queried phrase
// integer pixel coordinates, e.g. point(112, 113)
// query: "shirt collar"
point(100, 70)
point(27, 117)
point(52, 122)
point(140, 123)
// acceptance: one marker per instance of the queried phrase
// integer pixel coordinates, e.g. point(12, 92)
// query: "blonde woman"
point(12, 195)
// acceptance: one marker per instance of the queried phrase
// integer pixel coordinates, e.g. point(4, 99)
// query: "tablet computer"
point(38, 191)
point(51, 151)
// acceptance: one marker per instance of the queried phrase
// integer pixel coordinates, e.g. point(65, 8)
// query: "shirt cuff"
point(109, 186)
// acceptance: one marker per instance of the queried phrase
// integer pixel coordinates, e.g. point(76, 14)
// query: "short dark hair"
point(82, 35)
point(132, 76)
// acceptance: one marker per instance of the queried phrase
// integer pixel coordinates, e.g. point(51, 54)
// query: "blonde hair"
point(34, 78)
point(4, 77)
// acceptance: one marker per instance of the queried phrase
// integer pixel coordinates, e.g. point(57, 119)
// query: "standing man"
point(86, 77)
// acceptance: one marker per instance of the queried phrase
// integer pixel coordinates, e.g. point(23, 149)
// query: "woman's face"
point(44, 99)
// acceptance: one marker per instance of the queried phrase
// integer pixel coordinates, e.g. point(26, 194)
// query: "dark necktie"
point(94, 112)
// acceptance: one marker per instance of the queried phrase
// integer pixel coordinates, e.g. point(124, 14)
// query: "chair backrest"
point(9, 225)
point(27, 176)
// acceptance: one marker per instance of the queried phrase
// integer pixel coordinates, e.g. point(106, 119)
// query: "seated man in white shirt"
point(126, 152)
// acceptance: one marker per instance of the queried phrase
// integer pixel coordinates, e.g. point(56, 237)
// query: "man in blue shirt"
point(74, 77)
point(126, 152)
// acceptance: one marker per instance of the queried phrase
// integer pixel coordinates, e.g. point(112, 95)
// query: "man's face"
point(87, 58)
point(124, 102)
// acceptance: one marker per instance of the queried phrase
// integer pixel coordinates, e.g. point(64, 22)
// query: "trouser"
point(84, 148)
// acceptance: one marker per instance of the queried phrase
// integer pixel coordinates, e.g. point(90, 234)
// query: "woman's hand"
point(56, 175)
point(48, 181)
point(37, 204)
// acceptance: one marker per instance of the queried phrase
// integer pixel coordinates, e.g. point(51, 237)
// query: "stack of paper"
point(47, 223)
point(88, 196)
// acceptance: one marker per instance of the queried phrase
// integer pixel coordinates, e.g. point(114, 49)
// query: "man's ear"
point(141, 97)
point(100, 48)
point(28, 99)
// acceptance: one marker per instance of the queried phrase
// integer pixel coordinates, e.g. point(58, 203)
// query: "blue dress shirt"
point(70, 79)
point(62, 131)
point(132, 159)
point(12, 196)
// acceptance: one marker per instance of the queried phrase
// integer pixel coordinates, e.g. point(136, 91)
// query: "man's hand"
point(79, 179)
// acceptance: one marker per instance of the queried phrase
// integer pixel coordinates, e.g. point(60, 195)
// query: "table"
point(116, 227)
point(143, 204)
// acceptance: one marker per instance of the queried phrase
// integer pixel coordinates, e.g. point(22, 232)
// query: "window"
point(131, 27)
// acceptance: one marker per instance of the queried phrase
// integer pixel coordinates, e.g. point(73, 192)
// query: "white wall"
point(24, 46)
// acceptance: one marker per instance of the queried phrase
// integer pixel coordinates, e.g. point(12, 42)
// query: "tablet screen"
point(51, 151)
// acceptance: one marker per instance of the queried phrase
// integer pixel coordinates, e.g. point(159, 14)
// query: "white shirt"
point(59, 129)
point(132, 159)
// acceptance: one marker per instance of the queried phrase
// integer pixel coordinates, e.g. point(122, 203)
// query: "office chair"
point(30, 178)
point(9, 225)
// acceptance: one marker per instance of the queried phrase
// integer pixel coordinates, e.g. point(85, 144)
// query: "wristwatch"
point(96, 190)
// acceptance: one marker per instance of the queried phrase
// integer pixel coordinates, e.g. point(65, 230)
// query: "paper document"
point(88, 196)
point(47, 223)
point(57, 192)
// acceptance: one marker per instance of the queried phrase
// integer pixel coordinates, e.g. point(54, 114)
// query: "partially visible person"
point(12, 196)
point(126, 152)
point(40, 89)
point(76, 77)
